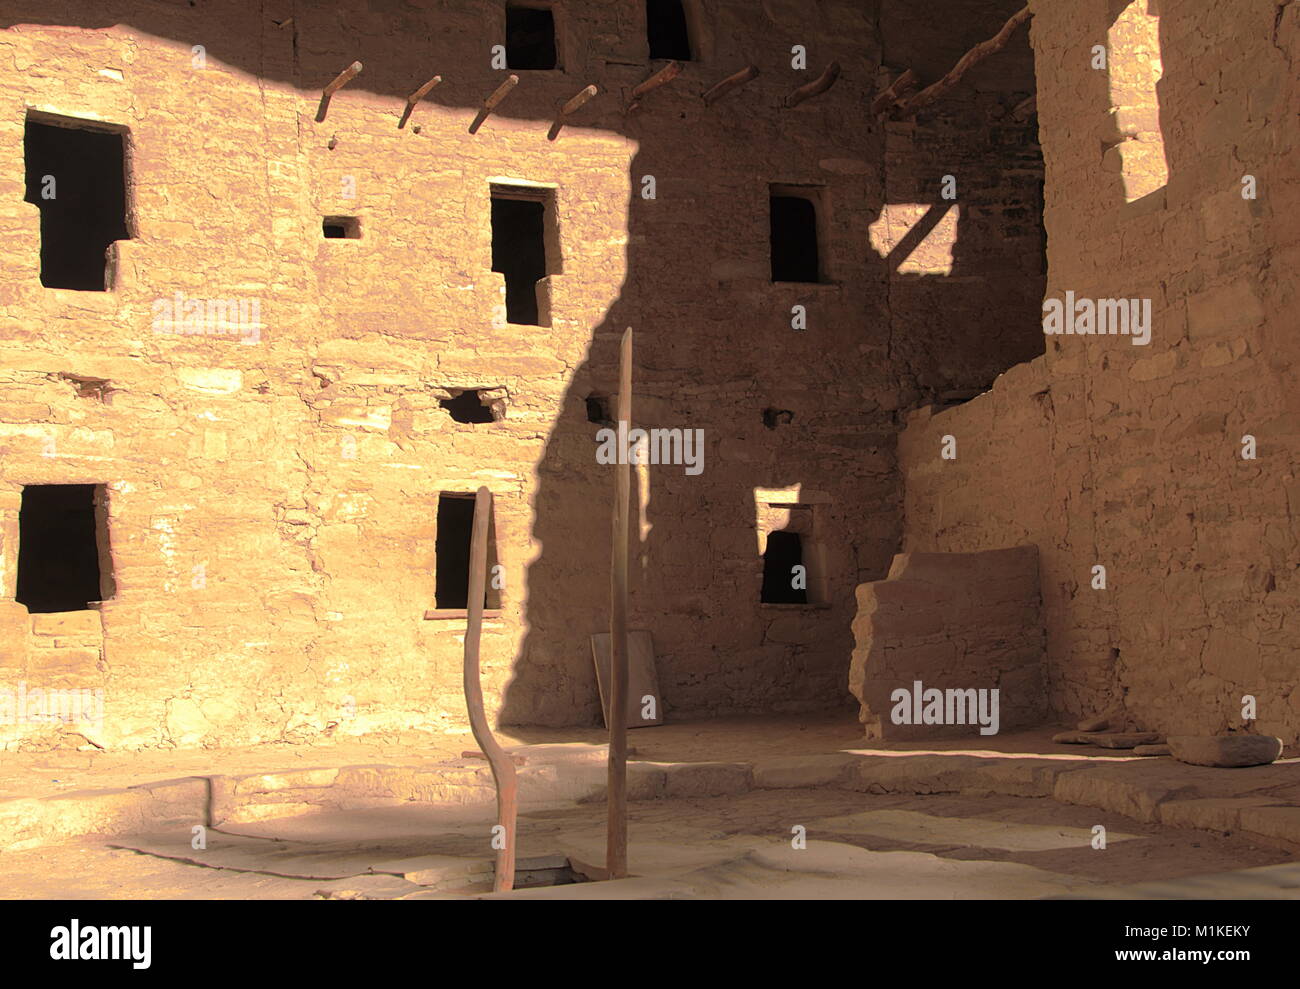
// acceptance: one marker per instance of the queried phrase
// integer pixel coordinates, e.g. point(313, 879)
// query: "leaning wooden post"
point(616, 843)
point(503, 768)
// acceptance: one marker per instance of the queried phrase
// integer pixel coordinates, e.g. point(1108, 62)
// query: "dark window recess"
point(519, 253)
point(341, 228)
point(666, 30)
point(58, 548)
point(784, 552)
point(530, 38)
point(451, 549)
point(77, 178)
point(598, 410)
point(467, 407)
point(794, 240)
point(777, 417)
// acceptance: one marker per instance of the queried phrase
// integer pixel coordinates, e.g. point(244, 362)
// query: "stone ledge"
point(1260, 803)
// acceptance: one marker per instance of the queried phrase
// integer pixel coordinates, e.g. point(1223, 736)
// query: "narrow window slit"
point(794, 231)
point(784, 552)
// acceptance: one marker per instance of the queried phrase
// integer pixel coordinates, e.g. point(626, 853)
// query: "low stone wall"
point(951, 644)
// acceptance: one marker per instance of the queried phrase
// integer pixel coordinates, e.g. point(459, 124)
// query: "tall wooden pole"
point(503, 768)
point(616, 843)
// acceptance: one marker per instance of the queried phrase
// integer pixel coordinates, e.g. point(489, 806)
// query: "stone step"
point(1261, 802)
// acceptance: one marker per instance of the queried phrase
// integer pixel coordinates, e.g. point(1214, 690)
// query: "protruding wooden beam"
point(661, 78)
point(415, 98)
point(337, 83)
point(1025, 109)
point(503, 767)
point(964, 64)
point(732, 82)
point(616, 791)
point(906, 81)
point(493, 101)
point(570, 107)
point(815, 88)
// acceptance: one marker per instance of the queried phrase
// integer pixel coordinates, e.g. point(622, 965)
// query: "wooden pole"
point(897, 88)
point(337, 83)
point(415, 98)
point(734, 81)
point(1025, 109)
point(815, 88)
point(499, 94)
point(493, 101)
point(503, 767)
point(342, 79)
point(572, 106)
point(616, 835)
point(665, 75)
point(968, 61)
point(661, 78)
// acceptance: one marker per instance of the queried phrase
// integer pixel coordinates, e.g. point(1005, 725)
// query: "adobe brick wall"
point(1106, 453)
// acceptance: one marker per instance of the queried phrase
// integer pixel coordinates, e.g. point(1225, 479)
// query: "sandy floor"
point(1040, 848)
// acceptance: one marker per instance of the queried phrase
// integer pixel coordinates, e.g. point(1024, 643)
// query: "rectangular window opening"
point(795, 235)
point(452, 554)
point(784, 575)
point(473, 406)
point(76, 176)
point(522, 225)
point(530, 38)
point(667, 30)
point(63, 555)
point(341, 228)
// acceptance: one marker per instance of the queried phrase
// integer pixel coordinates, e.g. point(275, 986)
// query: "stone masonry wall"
point(1103, 453)
point(272, 503)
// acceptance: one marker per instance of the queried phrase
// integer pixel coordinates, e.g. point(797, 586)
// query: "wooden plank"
point(642, 677)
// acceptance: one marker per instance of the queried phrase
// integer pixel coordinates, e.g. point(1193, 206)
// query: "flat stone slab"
point(962, 832)
point(1221, 814)
point(1073, 738)
point(1107, 739)
point(1225, 751)
point(1158, 749)
point(1126, 739)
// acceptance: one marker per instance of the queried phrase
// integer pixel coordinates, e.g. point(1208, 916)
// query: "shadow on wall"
point(706, 366)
